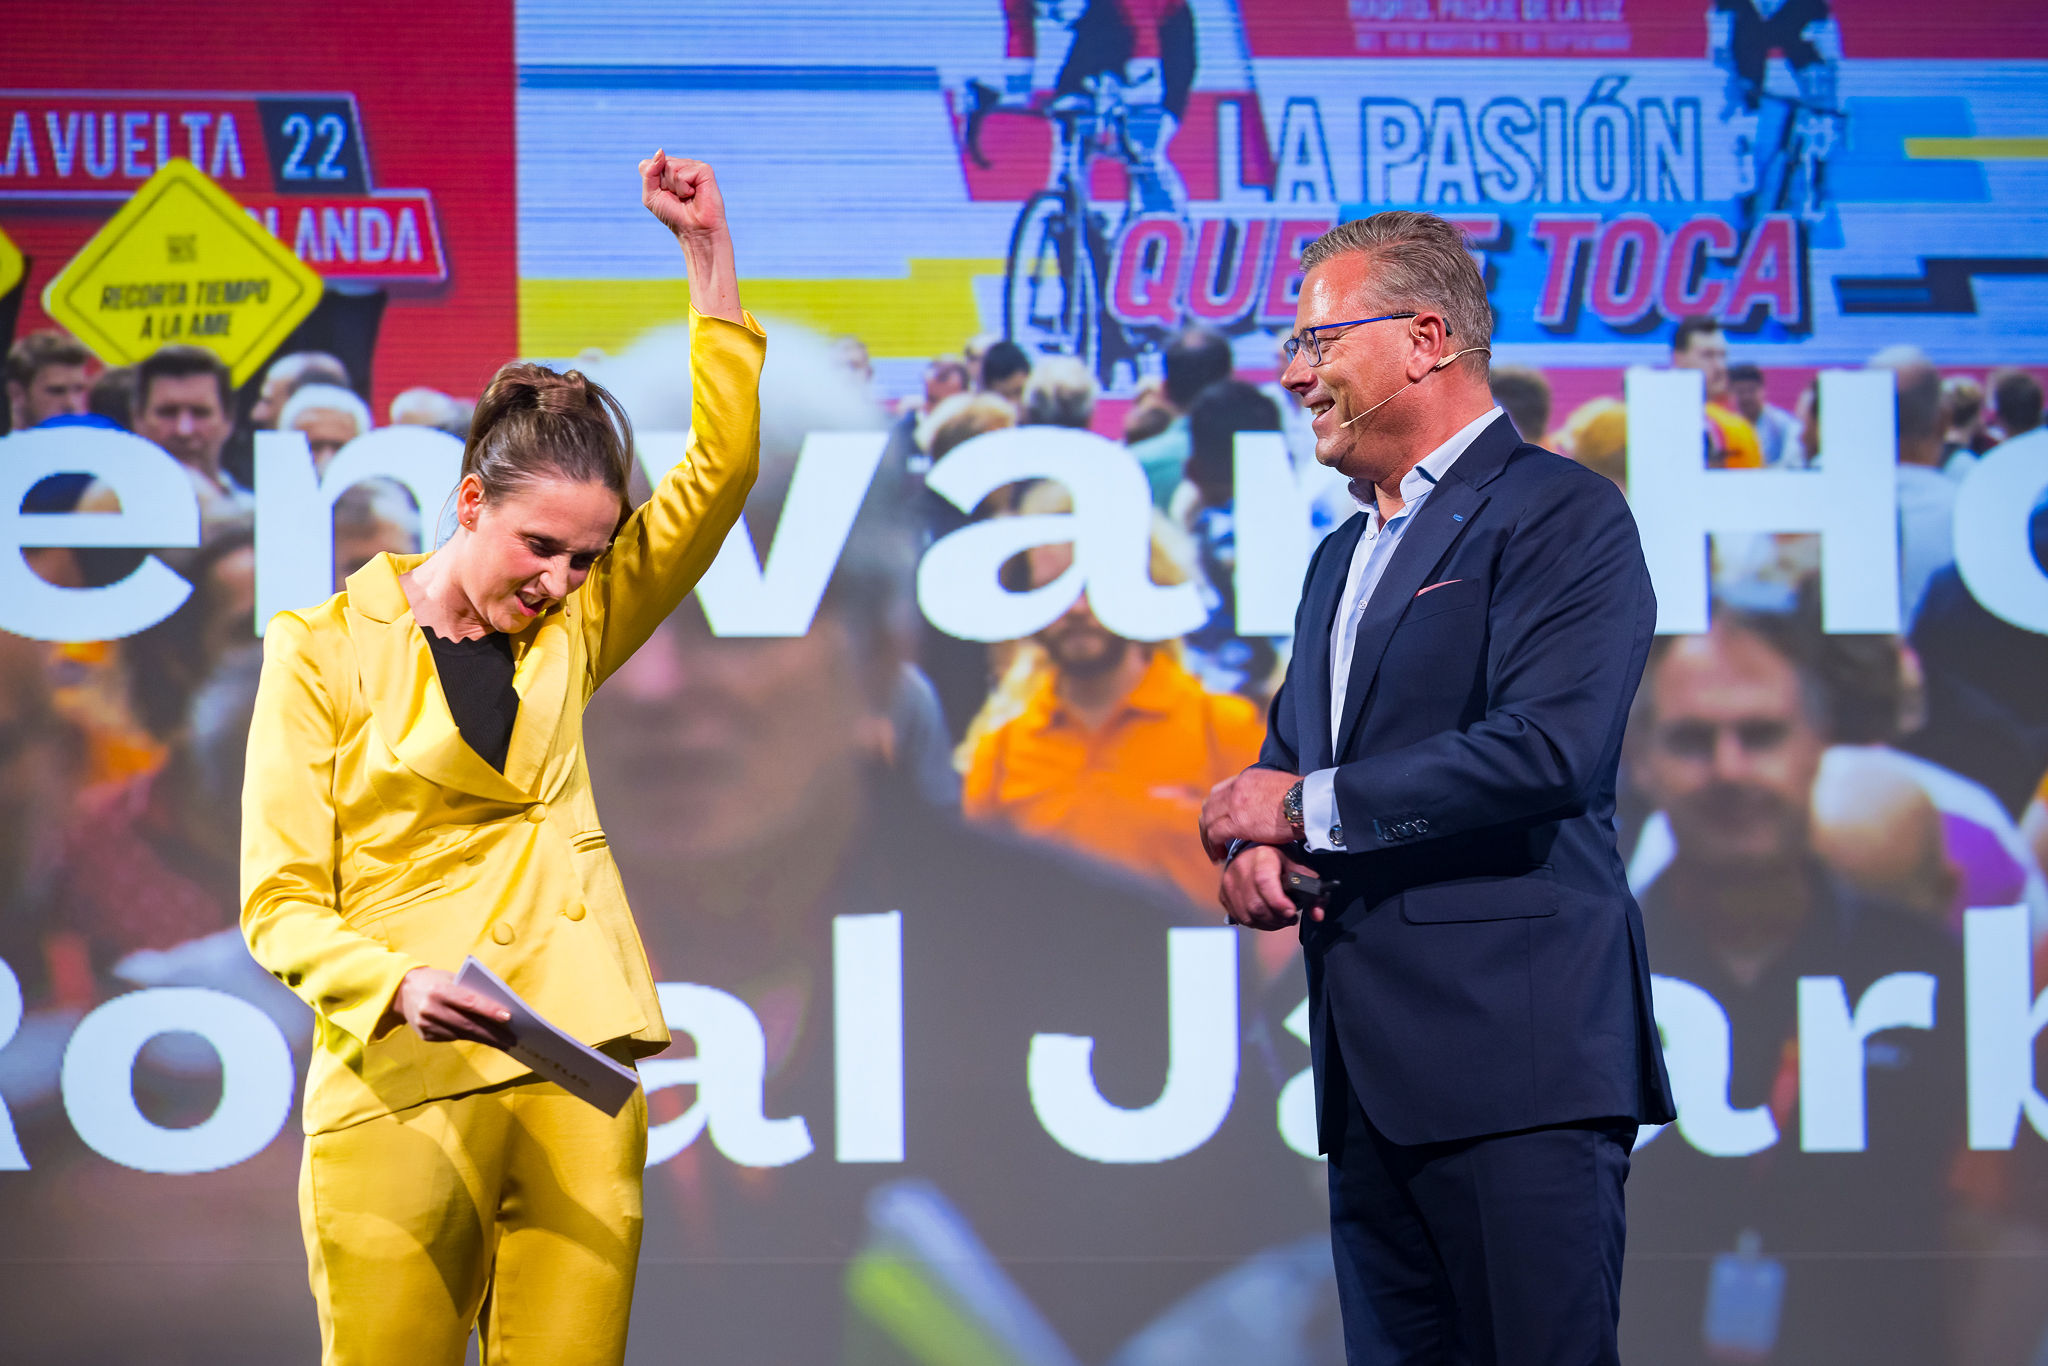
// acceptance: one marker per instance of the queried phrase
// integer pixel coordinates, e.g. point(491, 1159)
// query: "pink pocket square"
point(1433, 587)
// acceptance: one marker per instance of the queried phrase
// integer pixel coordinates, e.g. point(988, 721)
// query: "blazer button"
point(502, 932)
point(574, 912)
point(537, 813)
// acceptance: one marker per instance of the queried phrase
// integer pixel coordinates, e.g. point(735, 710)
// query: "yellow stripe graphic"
point(927, 312)
point(1977, 149)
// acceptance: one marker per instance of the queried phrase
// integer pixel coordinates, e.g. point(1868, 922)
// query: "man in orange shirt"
point(1115, 750)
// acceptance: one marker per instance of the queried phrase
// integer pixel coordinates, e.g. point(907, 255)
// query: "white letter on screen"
point(1994, 547)
point(158, 509)
point(728, 1072)
point(1110, 528)
point(256, 1080)
point(867, 1036)
point(295, 506)
point(1201, 1065)
point(1696, 1045)
point(1851, 499)
point(2001, 1018)
point(1271, 520)
point(746, 597)
point(12, 1159)
point(1393, 137)
point(1832, 1115)
point(1297, 1107)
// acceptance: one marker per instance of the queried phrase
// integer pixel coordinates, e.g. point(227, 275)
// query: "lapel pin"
point(1457, 516)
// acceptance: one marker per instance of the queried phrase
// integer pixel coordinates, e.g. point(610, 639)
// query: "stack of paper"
point(561, 1058)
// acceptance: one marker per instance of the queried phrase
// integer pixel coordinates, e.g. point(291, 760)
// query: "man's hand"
point(440, 1011)
point(1247, 807)
point(683, 194)
point(1252, 893)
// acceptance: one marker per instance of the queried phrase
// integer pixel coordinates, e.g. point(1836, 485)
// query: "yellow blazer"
point(375, 841)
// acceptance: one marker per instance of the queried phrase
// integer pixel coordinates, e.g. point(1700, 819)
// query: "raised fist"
point(683, 194)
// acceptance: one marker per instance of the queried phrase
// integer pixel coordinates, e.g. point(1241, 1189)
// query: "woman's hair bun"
point(538, 388)
point(533, 421)
point(564, 393)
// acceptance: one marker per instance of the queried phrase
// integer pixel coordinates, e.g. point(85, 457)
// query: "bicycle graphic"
point(1791, 177)
point(1060, 250)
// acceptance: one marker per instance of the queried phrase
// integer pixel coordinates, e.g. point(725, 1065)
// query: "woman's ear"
point(469, 501)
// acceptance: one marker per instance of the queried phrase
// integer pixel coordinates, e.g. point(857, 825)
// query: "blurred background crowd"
point(1795, 803)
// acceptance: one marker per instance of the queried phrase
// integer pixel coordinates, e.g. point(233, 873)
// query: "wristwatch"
point(1290, 809)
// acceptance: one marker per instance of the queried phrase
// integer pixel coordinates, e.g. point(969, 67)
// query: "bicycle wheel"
point(1051, 291)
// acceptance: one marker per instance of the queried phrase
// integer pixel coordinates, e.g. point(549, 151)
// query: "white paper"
point(561, 1058)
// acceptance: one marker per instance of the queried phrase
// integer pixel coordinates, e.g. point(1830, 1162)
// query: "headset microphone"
point(1413, 382)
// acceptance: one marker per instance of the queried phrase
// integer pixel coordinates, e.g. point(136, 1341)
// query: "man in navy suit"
point(1444, 751)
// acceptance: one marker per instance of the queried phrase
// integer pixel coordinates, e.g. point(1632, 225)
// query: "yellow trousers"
point(514, 1211)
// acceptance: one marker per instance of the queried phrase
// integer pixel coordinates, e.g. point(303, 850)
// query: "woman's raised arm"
point(665, 547)
point(684, 195)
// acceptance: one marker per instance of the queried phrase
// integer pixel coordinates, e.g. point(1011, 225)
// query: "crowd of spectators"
point(1181, 428)
point(140, 762)
point(1969, 717)
point(1801, 803)
point(1795, 802)
point(121, 768)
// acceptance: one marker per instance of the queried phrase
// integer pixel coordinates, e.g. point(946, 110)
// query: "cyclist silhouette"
point(1123, 79)
point(1146, 47)
point(1742, 35)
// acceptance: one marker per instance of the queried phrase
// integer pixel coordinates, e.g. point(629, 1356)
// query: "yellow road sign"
point(182, 262)
point(11, 264)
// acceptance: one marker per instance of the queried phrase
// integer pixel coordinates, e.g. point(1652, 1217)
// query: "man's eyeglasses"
point(1312, 337)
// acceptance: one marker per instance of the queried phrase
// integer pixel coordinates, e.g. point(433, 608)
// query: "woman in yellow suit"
point(417, 793)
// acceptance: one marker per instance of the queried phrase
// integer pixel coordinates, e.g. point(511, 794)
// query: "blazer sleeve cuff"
point(374, 1013)
point(737, 331)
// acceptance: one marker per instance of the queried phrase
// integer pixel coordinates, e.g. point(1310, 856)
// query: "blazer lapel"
point(1312, 652)
point(541, 679)
point(1443, 517)
point(403, 689)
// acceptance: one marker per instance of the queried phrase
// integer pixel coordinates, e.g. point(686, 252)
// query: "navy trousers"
point(1496, 1251)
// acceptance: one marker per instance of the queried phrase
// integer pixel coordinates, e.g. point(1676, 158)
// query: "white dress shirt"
point(1322, 829)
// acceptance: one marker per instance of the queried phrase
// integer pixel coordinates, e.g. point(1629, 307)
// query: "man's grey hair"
point(325, 398)
point(1417, 262)
point(1060, 393)
point(376, 503)
point(307, 367)
point(426, 407)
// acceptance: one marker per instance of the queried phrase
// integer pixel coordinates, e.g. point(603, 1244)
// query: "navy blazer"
point(1482, 965)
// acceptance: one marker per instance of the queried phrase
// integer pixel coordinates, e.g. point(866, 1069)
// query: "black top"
point(1859, 1228)
point(476, 677)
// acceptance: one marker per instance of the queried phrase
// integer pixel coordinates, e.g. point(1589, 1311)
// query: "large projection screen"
point(967, 1068)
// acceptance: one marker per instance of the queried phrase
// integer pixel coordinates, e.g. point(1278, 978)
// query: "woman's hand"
point(684, 195)
point(439, 1011)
